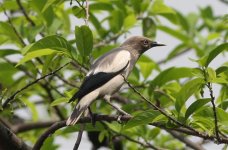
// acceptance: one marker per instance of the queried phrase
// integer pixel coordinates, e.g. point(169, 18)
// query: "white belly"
point(111, 86)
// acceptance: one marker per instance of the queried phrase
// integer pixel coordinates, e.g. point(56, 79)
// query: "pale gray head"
point(140, 44)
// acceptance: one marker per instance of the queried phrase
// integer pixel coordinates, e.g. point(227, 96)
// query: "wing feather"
point(102, 71)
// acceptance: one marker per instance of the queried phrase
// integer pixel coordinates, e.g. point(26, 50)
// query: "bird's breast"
point(111, 86)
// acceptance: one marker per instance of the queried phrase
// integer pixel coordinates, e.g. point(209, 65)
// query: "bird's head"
point(140, 44)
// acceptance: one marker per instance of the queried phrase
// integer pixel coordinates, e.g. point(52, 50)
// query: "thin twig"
point(25, 14)
point(87, 12)
point(30, 84)
point(79, 138)
point(57, 125)
point(185, 140)
point(159, 109)
point(209, 86)
point(146, 145)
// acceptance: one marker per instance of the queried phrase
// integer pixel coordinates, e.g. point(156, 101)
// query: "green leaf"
point(211, 74)
point(116, 21)
point(7, 31)
point(59, 101)
point(149, 27)
point(78, 12)
point(222, 116)
point(206, 60)
point(101, 6)
point(53, 42)
point(136, 5)
point(171, 74)
point(187, 90)
point(196, 106)
point(221, 69)
point(183, 22)
point(177, 50)
point(177, 34)
point(5, 52)
point(47, 63)
point(49, 3)
point(159, 7)
point(142, 118)
point(129, 21)
point(35, 54)
point(6, 73)
point(102, 135)
point(146, 66)
point(84, 40)
point(32, 107)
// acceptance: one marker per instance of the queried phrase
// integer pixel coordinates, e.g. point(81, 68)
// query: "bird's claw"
point(119, 119)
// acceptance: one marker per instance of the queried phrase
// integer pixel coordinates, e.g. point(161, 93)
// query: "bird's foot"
point(119, 119)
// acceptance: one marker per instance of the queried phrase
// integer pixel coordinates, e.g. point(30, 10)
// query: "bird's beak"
point(154, 44)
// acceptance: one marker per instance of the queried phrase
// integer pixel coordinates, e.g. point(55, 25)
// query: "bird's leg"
point(93, 117)
point(107, 99)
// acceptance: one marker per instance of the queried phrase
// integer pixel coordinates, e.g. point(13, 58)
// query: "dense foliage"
point(38, 37)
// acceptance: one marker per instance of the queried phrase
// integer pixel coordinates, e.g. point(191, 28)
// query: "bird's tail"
point(80, 108)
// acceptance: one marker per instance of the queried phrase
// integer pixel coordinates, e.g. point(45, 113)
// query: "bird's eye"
point(145, 42)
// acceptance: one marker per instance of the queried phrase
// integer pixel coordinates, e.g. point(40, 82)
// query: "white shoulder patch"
point(116, 63)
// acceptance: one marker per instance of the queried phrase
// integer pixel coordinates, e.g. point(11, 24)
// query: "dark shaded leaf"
point(78, 12)
point(195, 106)
point(84, 40)
point(149, 27)
point(206, 60)
point(6, 52)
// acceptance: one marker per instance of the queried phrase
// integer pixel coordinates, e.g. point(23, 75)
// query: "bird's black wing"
point(95, 81)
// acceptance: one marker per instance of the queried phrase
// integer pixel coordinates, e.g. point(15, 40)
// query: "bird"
point(108, 73)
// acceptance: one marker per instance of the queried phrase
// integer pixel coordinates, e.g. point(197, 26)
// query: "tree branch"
point(158, 108)
point(87, 12)
point(24, 13)
point(185, 140)
point(30, 84)
point(78, 141)
point(209, 86)
point(8, 140)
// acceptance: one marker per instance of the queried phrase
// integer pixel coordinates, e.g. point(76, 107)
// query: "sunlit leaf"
point(53, 42)
point(206, 60)
point(35, 54)
point(59, 101)
point(159, 7)
point(146, 66)
point(129, 21)
point(177, 34)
